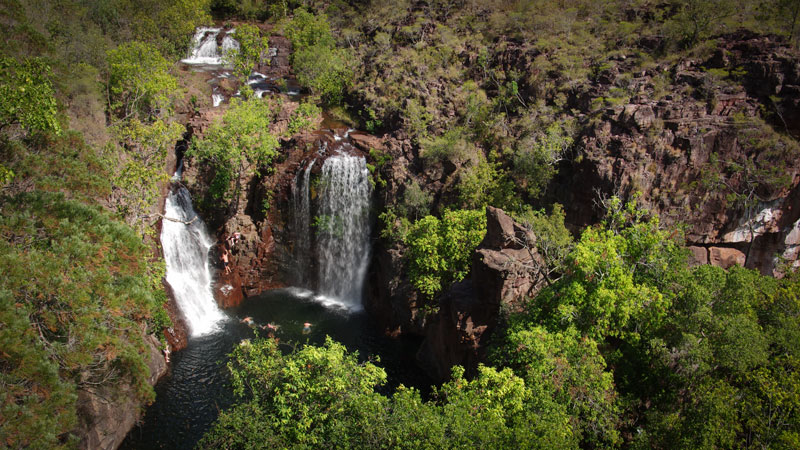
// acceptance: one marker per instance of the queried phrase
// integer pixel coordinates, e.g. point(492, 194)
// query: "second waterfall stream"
point(186, 245)
point(334, 229)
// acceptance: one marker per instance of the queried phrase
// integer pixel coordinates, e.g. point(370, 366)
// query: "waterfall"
point(343, 228)
point(188, 272)
point(301, 203)
point(204, 47)
point(205, 50)
point(229, 44)
point(217, 99)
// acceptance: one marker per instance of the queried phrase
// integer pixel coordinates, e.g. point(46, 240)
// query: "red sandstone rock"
point(503, 274)
point(726, 257)
point(698, 256)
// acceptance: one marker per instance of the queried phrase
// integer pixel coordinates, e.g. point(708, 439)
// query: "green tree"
point(319, 65)
point(306, 29)
point(617, 273)
point(252, 48)
point(535, 158)
point(440, 251)
point(312, 397)
point(28, 97)
point(696, 20)
point(241, 137)
point(322, 395)
point(139, 168)
point(139, 83)
point(303, 118)
point(568, 370)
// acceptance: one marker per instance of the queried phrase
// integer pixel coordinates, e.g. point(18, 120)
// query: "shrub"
point(139, 82)
point(28, 97)
point(252, 48)
point(440, 251)
point(242, 136)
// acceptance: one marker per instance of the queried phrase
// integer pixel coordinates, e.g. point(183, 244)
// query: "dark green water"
point(190, 397)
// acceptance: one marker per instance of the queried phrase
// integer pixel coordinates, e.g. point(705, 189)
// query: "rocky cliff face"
point(504, 272)
point(108, 412)
point(699, 153)
point(696, 138)
point(704, 142)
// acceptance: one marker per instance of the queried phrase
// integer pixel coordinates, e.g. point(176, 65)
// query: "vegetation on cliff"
point(86, 123)
point(630, 347)
point(626, 345)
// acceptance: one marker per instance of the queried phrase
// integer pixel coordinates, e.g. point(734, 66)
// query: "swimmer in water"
point(249, 322)
point(306, 328)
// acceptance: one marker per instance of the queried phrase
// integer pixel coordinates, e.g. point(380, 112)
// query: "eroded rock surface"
point(504, 273)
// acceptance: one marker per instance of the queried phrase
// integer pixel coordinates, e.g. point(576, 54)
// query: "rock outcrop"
point(699, 154)
point(504, 273)
point(106, 413)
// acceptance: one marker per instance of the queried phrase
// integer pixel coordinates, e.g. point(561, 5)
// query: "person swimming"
point(248, 321)
point(306, 328)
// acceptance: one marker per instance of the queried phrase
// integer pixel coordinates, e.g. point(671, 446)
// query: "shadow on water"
point(190, 397)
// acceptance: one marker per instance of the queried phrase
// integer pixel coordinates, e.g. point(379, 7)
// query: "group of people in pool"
point(270, 328)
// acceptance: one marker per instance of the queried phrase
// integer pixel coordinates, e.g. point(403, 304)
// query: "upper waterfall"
point(186, 244)
point(205, 49)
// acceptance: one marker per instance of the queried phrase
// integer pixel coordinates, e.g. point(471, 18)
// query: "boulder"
point(698, 256)
point(726, 257)
point(366, 142)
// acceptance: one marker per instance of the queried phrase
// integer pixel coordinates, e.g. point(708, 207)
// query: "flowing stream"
point(186, 244)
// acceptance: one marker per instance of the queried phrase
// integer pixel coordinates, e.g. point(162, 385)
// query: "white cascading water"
point(301, 204)
point(205, 50)
point(343, 228)
point(204, 47)
point(186, 248)
point(229, 43)
point(217, 99)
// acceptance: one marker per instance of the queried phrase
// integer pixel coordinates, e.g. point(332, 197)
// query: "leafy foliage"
point(252, 48)
point(75, 330)
point(320, 395)
point(440, 251)
point(566, 369)
point(535, 158)
point(27, 93)
point(614, 276)
point(139, 168)
point(139, 81)
point(319, 65)
point(242, 136)
point(303, 118)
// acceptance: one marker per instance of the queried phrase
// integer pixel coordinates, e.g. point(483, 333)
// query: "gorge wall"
point(683, 149)
point(694, 148)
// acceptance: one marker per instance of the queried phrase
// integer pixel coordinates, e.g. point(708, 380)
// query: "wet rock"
point(228, 289)
point(177, 335)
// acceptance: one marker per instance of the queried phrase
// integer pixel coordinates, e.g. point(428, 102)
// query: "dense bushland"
point(81, 288)
point(630, 347)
